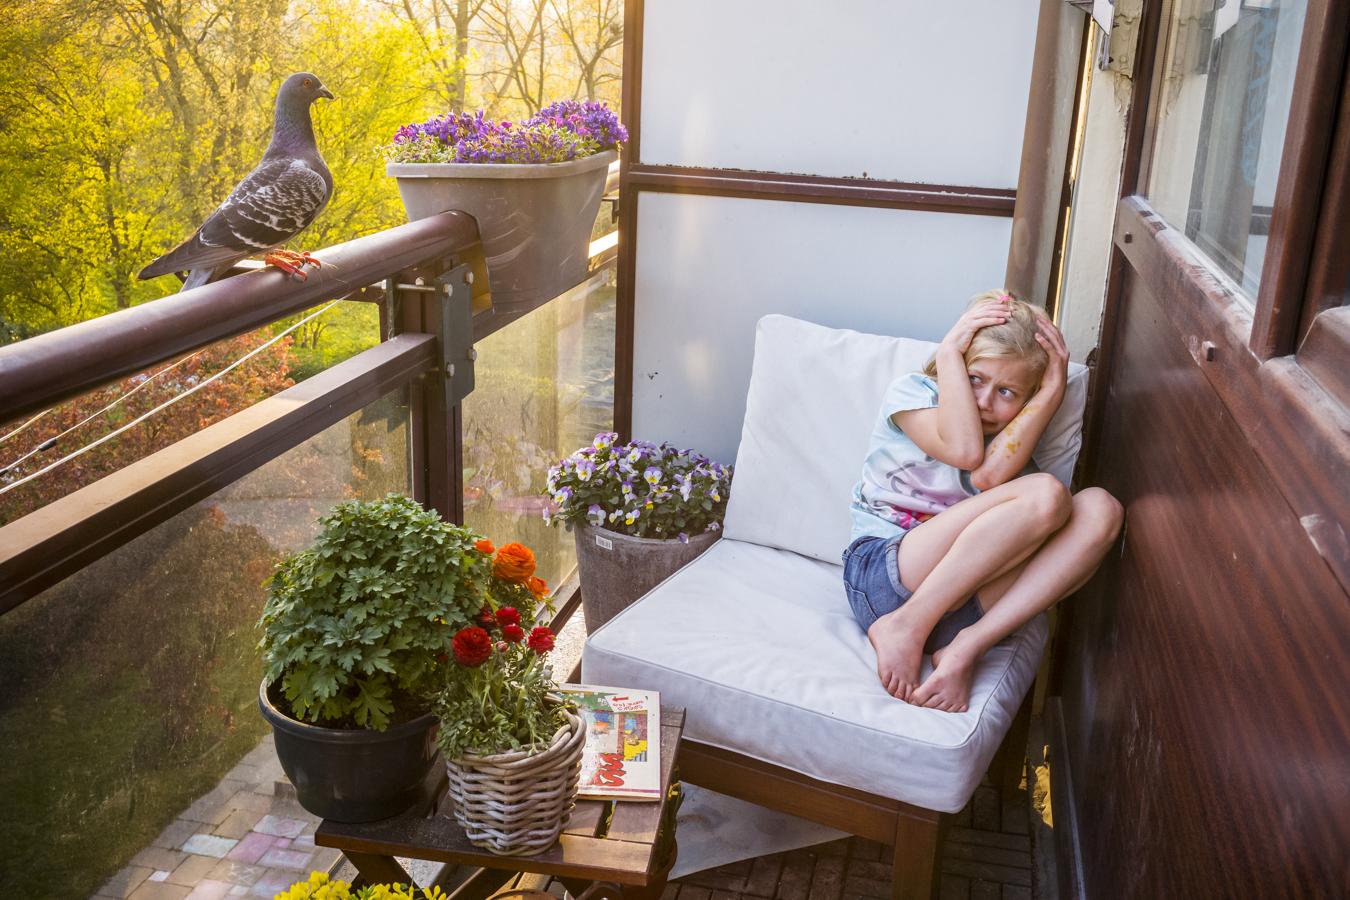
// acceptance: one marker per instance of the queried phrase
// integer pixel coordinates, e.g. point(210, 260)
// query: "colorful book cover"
point(622, 758)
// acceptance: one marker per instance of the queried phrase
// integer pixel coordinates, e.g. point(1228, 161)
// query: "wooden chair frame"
point(915, 833)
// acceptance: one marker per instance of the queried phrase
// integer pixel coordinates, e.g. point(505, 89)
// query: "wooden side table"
point(608, 850)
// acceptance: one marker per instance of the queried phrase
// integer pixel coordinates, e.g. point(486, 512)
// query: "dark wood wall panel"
point(1205, 699)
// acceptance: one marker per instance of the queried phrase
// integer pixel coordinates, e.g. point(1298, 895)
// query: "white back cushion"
point(814, 396)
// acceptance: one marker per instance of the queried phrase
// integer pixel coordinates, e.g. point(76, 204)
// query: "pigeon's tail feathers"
point(191, 255)
point(197, 278)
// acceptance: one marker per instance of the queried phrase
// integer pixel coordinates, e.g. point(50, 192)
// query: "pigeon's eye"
point(308, 83)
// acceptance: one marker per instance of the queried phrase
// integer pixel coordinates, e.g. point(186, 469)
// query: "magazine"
point(622, 757)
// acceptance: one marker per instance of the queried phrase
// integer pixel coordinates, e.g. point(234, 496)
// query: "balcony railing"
point(127, 606)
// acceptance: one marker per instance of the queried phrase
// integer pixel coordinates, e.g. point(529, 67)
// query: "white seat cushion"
point(759, 646)
point(814, 397)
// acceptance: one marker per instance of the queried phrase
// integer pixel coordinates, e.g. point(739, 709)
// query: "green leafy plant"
point(639, 488)
point(494, 695)
point(355, 623)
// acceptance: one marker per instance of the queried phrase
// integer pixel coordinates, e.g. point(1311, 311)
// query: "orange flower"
point(514, 562)
point(537, 586)
point(484, 547)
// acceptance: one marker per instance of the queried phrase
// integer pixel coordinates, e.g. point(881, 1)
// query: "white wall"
point(904, 90)
point(709, 267)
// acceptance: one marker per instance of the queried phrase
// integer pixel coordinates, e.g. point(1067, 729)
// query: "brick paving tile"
point(236, 872)
point(1016, 892)
point(124, 882)
point(988, 839)
point(833, 848)
point(965, 816)
point(159, 858)
point(273, 883)
point(1016, 818)
point(954, 887)
point(987, 872)
point(192, 870)
point(987, 806)
point(209, 845)
point(281, 827)
point(867, 887)
point(827, 879)
point(725, 895)
point(728, 878)
point(993, 855)
point(175, 833)
point(671, 892)
point(159, 890)
point(256, 802)
point(252, 846)
point(862, 848)
point(763, 880)
point(694, 892)
point(794, 883)
point(866, 868)
point(236, 824)
point(210, 890)
point(277, 858)
point(985, 890)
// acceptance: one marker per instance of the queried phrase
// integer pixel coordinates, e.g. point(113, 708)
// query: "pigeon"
point(278, 199)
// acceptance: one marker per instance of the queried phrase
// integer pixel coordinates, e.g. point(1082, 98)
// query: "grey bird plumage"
point(278, 199)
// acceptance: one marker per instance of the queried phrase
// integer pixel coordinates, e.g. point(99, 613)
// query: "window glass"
point(1226, 82)
point(128, 690)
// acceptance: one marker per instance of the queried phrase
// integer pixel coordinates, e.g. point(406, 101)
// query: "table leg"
point(373, 869)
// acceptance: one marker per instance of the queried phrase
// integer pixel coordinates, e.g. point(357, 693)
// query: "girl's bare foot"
point(948, 687)
point(899, 647)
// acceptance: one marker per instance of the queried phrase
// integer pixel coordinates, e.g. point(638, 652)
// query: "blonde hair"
point(1014, 338)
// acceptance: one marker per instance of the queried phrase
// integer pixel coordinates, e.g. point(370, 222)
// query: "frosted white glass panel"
point(904, 90)
point(709, 267)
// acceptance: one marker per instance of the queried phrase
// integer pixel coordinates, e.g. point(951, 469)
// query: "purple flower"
point(595, 514)
point(682, 538)
point(585, 469)
point(652, 475)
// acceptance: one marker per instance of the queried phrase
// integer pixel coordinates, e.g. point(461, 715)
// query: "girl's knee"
point(1049, 498)
point(1101, 512)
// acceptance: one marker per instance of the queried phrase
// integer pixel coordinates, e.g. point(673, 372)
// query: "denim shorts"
point(872, 583)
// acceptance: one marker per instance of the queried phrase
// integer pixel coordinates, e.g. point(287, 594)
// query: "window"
point(1223, 106)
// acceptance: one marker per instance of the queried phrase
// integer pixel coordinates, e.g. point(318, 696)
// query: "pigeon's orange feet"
point(291, 262)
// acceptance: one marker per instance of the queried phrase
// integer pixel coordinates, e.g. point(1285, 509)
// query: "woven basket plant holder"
point(517, 803)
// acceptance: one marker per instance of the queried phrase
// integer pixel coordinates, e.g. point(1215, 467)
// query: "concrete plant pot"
point(616, 569)
point(535, 220)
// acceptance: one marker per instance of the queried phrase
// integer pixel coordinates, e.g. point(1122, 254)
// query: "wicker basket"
point(517, 803)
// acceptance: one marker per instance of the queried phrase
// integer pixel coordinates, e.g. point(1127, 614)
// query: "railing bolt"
point(419, 281)
point(451, 372)
point(1127, 238)
point(473, 354)
point(468, 277)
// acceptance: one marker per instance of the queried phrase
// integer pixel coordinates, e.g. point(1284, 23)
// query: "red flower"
point(485, 547)
point(485, 617)
point(508, 615)
point(472, 646)
point(513, 633)
point(541, 639)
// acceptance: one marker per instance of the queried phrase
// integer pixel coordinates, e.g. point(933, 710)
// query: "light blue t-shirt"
point(901, 483)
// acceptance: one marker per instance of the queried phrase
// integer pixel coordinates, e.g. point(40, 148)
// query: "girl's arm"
point(1010, 450)
point(951, 433)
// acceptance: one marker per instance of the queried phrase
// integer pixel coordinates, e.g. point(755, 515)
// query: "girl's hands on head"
point(990, 312)
point(1051, 339)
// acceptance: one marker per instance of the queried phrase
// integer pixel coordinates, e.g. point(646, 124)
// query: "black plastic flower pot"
point(353, 775)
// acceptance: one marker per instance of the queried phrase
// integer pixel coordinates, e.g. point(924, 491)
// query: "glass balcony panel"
point(130, 688)
point(316, 343)
point(544, 385)
point(1226, 83)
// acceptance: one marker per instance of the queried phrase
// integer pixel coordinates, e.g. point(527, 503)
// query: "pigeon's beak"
point(325, 92)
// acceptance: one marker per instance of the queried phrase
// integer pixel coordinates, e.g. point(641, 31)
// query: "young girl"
point(957, 539)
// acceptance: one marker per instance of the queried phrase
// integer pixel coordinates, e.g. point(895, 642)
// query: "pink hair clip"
point(1005, 297)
